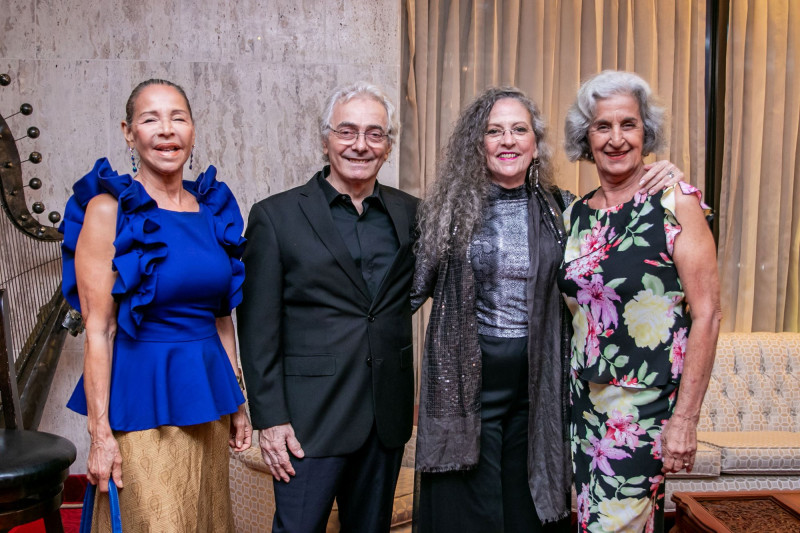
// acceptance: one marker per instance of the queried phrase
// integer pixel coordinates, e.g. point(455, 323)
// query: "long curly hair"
point(453, 209)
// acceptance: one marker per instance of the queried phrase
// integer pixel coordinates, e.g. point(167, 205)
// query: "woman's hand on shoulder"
point(659, 176)
point(241, 430)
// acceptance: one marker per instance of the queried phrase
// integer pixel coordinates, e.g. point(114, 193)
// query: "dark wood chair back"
point(34, 464)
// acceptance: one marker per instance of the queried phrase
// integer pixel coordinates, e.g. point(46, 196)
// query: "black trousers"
point(494, 497)
point(362, 483)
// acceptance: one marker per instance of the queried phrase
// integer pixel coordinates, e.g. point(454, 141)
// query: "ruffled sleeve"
point(138, 251)
point(668, 198)
point(102, 179)
point(228, 229)
point(137, 247)
point(671, 226)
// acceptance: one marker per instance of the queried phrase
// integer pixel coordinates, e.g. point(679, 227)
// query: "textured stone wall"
point(256, 73)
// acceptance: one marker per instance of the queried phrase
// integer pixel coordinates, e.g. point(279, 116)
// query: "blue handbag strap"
point(113, 498)
point(88, 508)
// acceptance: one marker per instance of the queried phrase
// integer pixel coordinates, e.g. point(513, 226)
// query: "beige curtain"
point(759, 246)
point(457, 48)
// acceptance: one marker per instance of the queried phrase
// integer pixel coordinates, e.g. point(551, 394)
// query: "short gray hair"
point(345, 93)
point(604, 85)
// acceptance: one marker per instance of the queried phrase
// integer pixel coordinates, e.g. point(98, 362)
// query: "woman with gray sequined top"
point(492, 448)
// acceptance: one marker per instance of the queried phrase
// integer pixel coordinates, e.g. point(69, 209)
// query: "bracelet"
point(239, 380)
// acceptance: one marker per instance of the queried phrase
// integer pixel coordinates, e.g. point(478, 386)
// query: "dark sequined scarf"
point(448, 434)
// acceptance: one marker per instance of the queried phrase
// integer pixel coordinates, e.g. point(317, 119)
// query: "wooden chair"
point(33, 464)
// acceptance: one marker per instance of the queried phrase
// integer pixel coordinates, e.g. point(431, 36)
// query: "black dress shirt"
point(370, 236)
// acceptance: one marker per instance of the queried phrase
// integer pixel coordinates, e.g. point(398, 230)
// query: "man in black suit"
point(325, 326)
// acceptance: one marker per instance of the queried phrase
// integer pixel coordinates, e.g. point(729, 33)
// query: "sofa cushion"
point(755, 452)
point(706, 464)
point(251, 458)
point(252, 499)
point(404, 498)
point(755, 384)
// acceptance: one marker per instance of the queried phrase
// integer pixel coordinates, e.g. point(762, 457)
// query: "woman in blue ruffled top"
point(153, 264)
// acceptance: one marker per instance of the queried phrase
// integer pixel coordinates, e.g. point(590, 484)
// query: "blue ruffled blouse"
point(176, 273)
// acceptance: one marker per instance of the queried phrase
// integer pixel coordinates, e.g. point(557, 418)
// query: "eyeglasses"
point(349, 135)
point(496, 134)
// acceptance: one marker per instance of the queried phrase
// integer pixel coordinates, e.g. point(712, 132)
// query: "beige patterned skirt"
point(175, 481)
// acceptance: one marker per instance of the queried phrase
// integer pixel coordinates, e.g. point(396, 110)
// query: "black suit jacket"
point(317, 350)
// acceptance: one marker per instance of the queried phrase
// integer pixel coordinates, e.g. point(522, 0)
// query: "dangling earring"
point(191, 158)
point(533, 172)
point(529, 177)
point(133, 160)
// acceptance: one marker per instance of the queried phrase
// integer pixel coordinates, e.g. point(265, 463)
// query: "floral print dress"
point(630, 328)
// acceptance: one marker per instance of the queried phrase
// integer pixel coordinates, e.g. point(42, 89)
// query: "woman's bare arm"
point(95, 278)
point(695, 258)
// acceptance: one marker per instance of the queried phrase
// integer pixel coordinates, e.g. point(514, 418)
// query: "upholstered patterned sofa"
point(749, 430)
point(253, 499)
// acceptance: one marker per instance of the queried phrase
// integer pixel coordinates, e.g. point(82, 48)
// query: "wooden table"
point(737, 512)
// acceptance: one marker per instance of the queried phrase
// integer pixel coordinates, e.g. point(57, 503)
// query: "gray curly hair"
point(453, 207)
point(345, 93)
point(604, 85)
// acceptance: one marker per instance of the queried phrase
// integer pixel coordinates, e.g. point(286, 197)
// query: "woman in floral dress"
point(640, 279)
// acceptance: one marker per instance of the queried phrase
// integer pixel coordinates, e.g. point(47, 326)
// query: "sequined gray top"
point(500, 260)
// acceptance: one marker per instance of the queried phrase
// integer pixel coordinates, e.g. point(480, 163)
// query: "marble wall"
point(256, 73)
